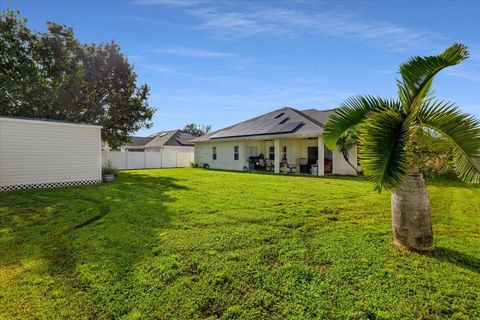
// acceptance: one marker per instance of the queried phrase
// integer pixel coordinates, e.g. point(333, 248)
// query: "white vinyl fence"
point(147, 160)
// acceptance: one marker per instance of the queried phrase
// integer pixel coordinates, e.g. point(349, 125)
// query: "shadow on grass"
point(59, 225)
point(457, 258)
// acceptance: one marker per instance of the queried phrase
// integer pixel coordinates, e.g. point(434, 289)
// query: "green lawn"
point(192, 243)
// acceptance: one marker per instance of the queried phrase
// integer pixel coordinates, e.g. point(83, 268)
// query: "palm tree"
point(388, 132)
point(345, 143)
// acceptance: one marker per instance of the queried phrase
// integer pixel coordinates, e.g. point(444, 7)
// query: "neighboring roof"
point(138, 141)
point(282, 122)
point(184, 138)
point(163, 138)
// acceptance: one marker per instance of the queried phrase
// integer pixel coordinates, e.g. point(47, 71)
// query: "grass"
point(188, 244)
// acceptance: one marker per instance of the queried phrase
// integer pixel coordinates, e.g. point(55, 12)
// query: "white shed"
point(42, 153)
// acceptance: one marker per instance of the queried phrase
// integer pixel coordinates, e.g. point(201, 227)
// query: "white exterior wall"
point(340, 166)
point(296, 148)
point(35, 152)
point(225, 160)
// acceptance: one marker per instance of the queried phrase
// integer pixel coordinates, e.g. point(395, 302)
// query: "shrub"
point(108, 168)
point(433, 155)
point(194, 164)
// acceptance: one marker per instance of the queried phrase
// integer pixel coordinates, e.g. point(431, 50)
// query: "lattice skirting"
point(58, 184)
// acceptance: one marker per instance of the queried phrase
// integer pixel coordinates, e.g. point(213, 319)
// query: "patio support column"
point(276, 145)
point(321, 156)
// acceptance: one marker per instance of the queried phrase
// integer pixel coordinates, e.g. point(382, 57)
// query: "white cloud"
point(193, 52)
point(229, 20)
point(463, 73)
point(294, 23)
point(145, 20)
point(176, 3)
point(382, 71)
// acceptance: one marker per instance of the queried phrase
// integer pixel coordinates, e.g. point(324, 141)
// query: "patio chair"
point(285, 167)
point(261, 164)
point(302, 165)
point(328, 166)
point(269, 165)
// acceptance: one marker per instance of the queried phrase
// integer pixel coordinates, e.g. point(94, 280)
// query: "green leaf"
point(384, 138)
point(418, 72)
point(347, 140)
point(351, 113)
point(461, 130)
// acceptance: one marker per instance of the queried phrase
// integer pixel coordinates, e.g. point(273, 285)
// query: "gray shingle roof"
point(319, 115)
point(163, 138)
point(285, 121)
point(138, 141)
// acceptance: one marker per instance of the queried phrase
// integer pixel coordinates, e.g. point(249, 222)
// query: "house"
point(172, 141)
point(38, 153)
point(285, 140)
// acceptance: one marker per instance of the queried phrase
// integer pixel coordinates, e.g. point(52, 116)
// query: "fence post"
point(145, 159)
point(176, 159)
point(126, 158)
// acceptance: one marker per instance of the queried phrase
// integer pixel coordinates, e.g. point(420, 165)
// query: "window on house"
point(235, 153)
point(214, 153)
point(271, 153)
point(251, 152)
point(284, 152)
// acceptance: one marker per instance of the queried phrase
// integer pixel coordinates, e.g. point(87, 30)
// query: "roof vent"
point(162, 134)
point(279, 115)
point(284, 120)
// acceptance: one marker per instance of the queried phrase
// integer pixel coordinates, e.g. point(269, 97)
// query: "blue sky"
point(221, 62)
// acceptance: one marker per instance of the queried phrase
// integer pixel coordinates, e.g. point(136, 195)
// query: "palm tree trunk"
point(412, 227)
point(345, 156)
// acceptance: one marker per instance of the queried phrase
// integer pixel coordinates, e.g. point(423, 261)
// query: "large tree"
point(197, 129)
point(52, 75)
point(391, 133)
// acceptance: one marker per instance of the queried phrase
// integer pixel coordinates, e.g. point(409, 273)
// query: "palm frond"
point(384, 137)
point(461, 130)
point(352, 112)
point(418, 72)
point(347, 140)
point(345, 143)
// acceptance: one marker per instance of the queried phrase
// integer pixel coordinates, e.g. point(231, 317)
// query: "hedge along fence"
point(123, 160)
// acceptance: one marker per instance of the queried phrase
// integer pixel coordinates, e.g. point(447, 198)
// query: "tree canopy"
point(197, 129)
point(53, 75)
point(391, 132)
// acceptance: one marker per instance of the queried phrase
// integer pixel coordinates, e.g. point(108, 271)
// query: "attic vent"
point(162, 134)
point(279, 115)
point(284, 120)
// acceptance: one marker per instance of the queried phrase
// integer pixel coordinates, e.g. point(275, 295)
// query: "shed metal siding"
point(39, 152)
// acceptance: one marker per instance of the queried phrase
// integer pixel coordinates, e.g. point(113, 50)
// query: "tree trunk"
point(345, 156)
point(412, 227)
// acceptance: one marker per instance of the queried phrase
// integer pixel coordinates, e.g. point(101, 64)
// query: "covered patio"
point(305, 156)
